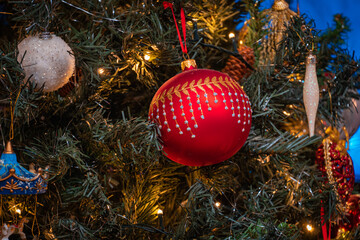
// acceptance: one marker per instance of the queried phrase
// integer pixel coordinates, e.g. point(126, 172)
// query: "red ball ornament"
point(338, 168)
point(203, 115)
point(351, 219)
point(353, 214)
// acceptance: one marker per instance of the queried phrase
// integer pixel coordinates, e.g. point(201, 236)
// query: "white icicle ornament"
point(311, 92)
point(48, 61)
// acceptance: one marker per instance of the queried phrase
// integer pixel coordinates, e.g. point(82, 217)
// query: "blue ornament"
point(15, 179)
point(354, 152)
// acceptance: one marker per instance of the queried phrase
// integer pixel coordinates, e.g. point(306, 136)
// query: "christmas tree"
point(77, 82)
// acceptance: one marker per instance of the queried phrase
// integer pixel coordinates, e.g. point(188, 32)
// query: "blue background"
point(322, 11)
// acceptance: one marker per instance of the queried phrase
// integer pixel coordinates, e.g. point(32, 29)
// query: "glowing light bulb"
point(217, 204)
point(159, 212)
point(286, 113)
point(241, 42)
point(231, 35)
point(101, 70)
point(147, 57)
point(18, 211)
point(309, 228)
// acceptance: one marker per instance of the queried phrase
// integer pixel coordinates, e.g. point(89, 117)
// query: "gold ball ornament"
point(279, 16)
point(47, 60)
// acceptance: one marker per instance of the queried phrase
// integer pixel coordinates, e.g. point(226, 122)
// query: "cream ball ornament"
point(47, 60)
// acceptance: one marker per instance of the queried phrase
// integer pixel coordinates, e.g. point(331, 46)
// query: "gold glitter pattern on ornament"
point(48, 62)
point(328, 166)
point(311, 92)
point(173, 114)
point(222, 93)
point(198, 99)
point(205, 95)
point(181, 91)
point(186, 122)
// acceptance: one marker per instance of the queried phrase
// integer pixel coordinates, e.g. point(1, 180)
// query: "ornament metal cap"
point(311, 58)
point(188, 64)
point(8, 148)
point(280, 5)
point(45, 35)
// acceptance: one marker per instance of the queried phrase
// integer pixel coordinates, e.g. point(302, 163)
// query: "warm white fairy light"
point(18, 211)
point(241, 42)
point(217, 204)
point(309, 228)
point(231, 35)
point(159, 212)
point(286, 113)
point(101, 70)
point(147, 57)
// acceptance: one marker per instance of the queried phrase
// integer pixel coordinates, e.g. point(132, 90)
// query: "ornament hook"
point(45, 35)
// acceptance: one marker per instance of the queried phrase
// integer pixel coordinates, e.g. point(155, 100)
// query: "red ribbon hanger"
point(183, 25)
point(324, 229)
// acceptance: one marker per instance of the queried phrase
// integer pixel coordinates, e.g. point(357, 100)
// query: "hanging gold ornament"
point(279, 17)
point(243, 32)
point(311, 92)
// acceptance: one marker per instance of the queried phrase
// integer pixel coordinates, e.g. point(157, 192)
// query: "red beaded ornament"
point(204, 116)
point(351, 219)
point(338, 168)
